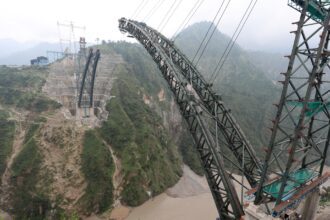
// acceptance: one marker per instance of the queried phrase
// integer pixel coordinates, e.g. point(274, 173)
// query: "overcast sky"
point(36, 20)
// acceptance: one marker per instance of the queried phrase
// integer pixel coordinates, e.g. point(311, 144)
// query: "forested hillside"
point(244, 87)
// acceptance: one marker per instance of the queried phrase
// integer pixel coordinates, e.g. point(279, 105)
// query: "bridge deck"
point(300, 194)
point(297, 179)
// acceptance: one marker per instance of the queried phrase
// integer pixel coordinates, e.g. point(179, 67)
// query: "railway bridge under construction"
point(292, 169)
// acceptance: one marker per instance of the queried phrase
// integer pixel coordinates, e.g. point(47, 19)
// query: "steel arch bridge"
point(86, 83)
point(300, 135)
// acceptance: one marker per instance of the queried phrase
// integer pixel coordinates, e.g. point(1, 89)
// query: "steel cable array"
point(185, 22)
point(153, 10)
point(167, 14)
point(208, 30)
point(170, 16)
point(213, 31)
point(233, 40)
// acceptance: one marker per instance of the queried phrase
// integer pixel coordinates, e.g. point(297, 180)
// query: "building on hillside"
point(39, 61)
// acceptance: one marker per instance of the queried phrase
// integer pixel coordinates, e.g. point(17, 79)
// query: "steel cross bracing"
point(211, 130)
point(316, 9)
point(300, 133)
point(86, 86)
point(232, 136)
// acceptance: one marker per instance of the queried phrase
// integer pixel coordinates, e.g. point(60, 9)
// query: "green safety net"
point(312, 107)
point(317, 9)
point(296, 179)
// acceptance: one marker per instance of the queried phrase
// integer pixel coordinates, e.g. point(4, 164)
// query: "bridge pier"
point(310, 205)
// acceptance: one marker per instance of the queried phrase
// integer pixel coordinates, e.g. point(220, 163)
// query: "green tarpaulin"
point(296, 179)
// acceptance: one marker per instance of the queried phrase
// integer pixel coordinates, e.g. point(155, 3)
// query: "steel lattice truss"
point(300, 133)
point(211, 123)
point(86, 84)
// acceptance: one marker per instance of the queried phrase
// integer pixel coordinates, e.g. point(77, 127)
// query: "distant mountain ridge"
point(10, 46)
point(23, 56)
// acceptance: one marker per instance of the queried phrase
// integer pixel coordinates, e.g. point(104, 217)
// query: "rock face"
point(54, 169)
point(62, 83)
point(60, 145)
point(104, 82)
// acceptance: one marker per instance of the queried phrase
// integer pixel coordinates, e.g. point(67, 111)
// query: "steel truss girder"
point(199, 120)
point(86, 86)
point(300, 133)
point(234, 138)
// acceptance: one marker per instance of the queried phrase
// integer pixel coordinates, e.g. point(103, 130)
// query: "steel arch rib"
point(178, 71)
point(83, 82)
point(226, 123)
point(91, 92)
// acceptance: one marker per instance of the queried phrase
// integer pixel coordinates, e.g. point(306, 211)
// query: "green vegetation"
point(21, 88)
point(27, 100)
point(7, 132)
point(146, 78)
point(325, 199)
point(149, 158)
point(29, 78)
point(61, 214)
point(98, 168)
point(28, 202)
point(244, 88)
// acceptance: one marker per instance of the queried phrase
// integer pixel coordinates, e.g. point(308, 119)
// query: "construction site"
point(293, 168)
point(286, 183)
point(292, 171)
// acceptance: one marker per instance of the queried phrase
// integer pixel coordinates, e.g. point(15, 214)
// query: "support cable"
point(137, 8)
point(141, 9)
point(167, 14)
point(188, 18)
point(213, 31)
point(184, 20)
point(170, 16)
point(208, 30)
point(153, 10)
point(233, 40)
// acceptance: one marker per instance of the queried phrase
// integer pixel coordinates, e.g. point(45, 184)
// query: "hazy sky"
point(36, 20)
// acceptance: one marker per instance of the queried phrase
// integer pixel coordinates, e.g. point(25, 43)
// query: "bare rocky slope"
point(56, 165)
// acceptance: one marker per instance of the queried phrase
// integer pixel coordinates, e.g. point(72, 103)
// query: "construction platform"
point(302, 182)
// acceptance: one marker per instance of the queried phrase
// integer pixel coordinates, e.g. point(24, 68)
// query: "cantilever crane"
point(300, 137)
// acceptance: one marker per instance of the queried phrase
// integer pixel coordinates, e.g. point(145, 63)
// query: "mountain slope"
point(24, 56)
point(271, 64)
point(10, 46)
point(244, 87)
